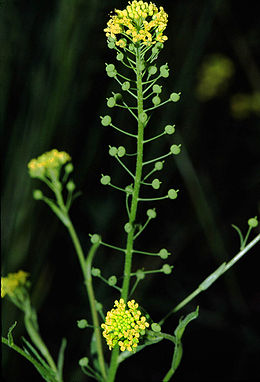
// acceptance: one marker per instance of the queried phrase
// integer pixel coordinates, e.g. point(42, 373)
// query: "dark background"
point(53, 90)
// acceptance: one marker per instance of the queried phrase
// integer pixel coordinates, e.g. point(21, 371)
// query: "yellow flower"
point(51, 160)
point(124, 326)
point(12, 282)
point(140, 22)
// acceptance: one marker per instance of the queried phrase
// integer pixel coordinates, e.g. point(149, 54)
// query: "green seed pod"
point(152, 70)
point(156, 100)
point(143, 117)
point(111, 45)
point(140, 274)
point(113, 151)
point(164, 71)
point(111, 102)
point(131, 47)
point(37, 194)
point(157, 89)
point(82, 324)
point(169, 129)
point(156, 184)
point(95, 272)
point(121, 151)
point(83, 362)
point(164, 253)
point(158, 166)
point(175, 97)
point(112, 280)
point(175, 149)
point(253, 222)
point(172, 194)
point(128, 227)
point(110, 68)
point(95, 238)
point(106, 120)
point(166, 269)
point(112, 74)
point(151, 213)
point(69, 168)
point(126, 85)
point(120, 56)
point(155, 327)
point(105, 180)
point(70, 186)
point(118, 96)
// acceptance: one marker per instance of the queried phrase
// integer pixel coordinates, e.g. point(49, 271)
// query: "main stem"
point(138, 176)
point(134, 202)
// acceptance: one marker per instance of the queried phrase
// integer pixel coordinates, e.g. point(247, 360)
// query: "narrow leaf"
point(61, 357)
point(9, 334)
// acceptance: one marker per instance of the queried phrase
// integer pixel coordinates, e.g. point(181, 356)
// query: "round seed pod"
point(128, 227)
point(175, 149)
point(164, 253)
point(253, 222)
point(126, 85)
point(164, 71)
point(172, 194)
point(143, 117)
point(70, 186)
point(157, 89)
point(155, 327)
point(121, 151)
point(158, 165)
point(111, 102)
point(152, 70)
point(156, 100)
point(151, 213)
point(169, 129)
point(106, 120)
point(175, 97)
point(95, 272)
point(156, 184)
point(112, 280)
point(120, 56)
point(37, 194)
point(105, 180)
point(166, 269)
point(113, 151)
point(95, 238)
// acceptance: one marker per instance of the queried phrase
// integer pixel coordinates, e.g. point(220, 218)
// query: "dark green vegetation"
point(53, 90)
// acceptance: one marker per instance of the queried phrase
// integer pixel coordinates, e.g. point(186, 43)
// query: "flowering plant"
point(136, 34)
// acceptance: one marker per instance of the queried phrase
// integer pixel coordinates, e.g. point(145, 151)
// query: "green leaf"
point(35, 353)
point(239, 233)
point(61, 357)
point(178, 350)
point(152, 338)
point(9, 334)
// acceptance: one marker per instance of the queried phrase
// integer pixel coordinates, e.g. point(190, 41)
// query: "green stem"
point(213, 277)
point(86, 270)
point(138, 176)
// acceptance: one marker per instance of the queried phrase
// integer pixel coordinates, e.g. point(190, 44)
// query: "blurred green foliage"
point(53, 89)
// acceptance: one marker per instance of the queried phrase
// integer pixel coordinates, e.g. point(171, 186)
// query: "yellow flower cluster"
point(12, 281)
point(139, 22)
point(50, 160)
point(124, 326)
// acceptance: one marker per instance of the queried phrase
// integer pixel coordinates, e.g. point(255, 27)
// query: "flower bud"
point(69, 168)
point(37, 194)
point(70, 186)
